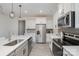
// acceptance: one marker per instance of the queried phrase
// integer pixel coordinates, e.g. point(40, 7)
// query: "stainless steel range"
point(57, 47)
point(71, 39)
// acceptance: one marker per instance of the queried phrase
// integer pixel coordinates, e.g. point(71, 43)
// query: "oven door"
point(57, 50)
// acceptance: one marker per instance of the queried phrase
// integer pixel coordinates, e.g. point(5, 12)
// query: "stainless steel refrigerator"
point(40, 33)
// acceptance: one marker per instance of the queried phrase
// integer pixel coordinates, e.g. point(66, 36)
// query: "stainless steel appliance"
point(57, 47)
point(70, 19)
point(67, 20)
point(40, 33)
point(61, 21)
point(71, 39)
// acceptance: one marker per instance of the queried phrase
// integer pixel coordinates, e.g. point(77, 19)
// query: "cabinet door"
point(19, 51)
point(22, 50)
point(48, 37)
point(12, 54)
point(29, 45)
point(25, 49)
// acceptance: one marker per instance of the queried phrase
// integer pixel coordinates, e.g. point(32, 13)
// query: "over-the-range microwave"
point(68, 20)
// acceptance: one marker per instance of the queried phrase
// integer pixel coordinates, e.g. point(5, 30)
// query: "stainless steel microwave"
point(68, 20)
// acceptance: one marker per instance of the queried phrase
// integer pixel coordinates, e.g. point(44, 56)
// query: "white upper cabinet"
point(65, 7)
point(69, 7)
point(41, 20)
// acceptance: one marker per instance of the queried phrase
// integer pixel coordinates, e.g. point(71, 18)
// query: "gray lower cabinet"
point(22, 50)
point(29, 45)
point(25, 49)
point(19, 51)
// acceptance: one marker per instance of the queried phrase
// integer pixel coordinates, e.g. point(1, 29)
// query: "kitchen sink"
point(12, 43)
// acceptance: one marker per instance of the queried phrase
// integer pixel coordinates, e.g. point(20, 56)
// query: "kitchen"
point(39, 29)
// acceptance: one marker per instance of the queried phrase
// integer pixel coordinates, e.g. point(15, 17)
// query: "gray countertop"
point(74, 50)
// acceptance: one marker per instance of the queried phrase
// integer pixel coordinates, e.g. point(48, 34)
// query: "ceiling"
point(29, 9)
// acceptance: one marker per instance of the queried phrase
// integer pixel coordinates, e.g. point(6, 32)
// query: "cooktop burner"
point(71, 39)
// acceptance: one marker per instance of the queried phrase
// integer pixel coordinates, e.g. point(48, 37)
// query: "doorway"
point(21, 27)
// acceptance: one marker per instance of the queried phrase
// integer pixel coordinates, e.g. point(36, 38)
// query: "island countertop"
point(5, 50)
point(74, 50)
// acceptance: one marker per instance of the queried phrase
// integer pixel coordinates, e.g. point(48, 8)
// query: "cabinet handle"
point(24, 51)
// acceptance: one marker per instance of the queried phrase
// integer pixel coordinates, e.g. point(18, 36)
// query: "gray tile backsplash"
point(71, 30)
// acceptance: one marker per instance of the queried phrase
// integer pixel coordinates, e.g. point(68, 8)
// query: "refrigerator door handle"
point(38, 32)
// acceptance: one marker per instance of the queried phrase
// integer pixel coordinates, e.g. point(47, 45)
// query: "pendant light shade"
point(12, 14)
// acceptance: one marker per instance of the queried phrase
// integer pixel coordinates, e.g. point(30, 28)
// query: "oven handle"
point(57, 45)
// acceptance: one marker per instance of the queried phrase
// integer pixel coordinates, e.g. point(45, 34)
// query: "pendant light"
point(12, 14)
point(20, 11)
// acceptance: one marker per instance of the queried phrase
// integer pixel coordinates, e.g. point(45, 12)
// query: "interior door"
point(21, 27)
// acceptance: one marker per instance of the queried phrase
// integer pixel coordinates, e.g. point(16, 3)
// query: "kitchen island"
point(20, 49)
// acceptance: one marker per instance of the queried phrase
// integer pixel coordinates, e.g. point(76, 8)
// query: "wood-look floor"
point(40, 50)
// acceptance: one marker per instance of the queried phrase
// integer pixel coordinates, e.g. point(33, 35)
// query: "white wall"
point(8, 26)
point(4, 26)
point(13, 26)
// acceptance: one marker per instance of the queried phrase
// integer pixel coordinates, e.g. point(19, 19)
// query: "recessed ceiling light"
point(25, 11)
point(41, 11)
